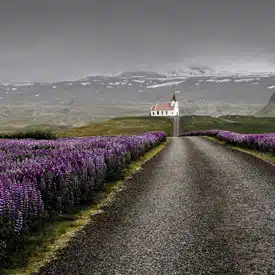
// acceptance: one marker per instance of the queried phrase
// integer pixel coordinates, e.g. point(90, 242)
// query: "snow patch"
point(271, 87)
point(138, 81)
point(172, 83)
point(23, 84)
point(223, 80)
point(219, 80)
point(115, 83)
point(244, 80)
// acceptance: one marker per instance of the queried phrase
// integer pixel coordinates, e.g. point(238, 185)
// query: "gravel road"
point(196, 208)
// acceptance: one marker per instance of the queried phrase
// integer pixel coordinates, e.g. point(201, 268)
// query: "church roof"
point(162, 106)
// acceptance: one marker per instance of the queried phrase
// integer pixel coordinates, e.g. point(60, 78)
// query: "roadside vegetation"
point(265, 156)
point(260, 145)
point(234, 123)
point(33, 134)
point(54, 188)
point(111, 127)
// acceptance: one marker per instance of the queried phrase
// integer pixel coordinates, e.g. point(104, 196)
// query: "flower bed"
point(40, 179)
point(260, 142)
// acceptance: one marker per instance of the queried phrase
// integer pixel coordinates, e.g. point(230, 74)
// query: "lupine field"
point(42, 178)
point(260, 142)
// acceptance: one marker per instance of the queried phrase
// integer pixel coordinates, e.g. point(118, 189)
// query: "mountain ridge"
point(188, 71)
point(97, 97)
point(269, 109)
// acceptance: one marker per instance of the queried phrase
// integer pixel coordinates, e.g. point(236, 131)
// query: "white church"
point(166, 108)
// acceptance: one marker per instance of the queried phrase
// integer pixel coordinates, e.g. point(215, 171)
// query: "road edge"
point(254, 153)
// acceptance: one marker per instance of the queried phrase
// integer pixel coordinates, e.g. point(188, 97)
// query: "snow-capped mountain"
point(193, 71)
point(132, 93)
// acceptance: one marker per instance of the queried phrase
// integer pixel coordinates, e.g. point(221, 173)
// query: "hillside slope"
point(269, 109)
point(234, 123)
point(121, 126)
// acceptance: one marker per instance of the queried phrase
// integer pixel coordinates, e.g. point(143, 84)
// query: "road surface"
point(176, 126)
point(196, 208)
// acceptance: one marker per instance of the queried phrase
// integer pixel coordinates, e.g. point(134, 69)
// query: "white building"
point(166, 108)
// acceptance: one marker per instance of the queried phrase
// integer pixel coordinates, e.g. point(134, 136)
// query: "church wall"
point(174, 112)
point(165, 113)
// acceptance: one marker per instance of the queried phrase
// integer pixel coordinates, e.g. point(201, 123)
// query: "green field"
point(112, 127)
point(234, 123)
point(121, 126)
point(135, 125)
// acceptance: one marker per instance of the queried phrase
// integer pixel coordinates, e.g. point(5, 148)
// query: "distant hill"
point(269, 109)
point(96, 98)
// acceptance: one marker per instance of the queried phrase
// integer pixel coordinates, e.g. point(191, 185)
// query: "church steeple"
point(174, 97)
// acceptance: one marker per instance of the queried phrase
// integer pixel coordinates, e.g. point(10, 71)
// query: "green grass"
point(121, 126)
point(42, 247)
point(11, 129)
point(234, 123)
point(33, 134)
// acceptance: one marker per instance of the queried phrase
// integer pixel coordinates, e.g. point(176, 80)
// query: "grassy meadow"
point(112, 127)
point(234, 123)
point(135, 125)
point(121, 126)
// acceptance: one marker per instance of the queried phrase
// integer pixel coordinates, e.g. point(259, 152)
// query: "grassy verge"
point(121, 126)
point(43, 246)
point(234, 123)
point(268, 157)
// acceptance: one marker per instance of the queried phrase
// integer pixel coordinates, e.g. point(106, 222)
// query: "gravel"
point(197, 208)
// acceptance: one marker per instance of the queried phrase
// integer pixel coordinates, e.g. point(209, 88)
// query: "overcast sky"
point(44, 40)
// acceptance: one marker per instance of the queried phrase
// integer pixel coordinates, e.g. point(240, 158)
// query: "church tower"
point(175, 104)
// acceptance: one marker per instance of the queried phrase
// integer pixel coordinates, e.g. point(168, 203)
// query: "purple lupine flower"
point(39, 175)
